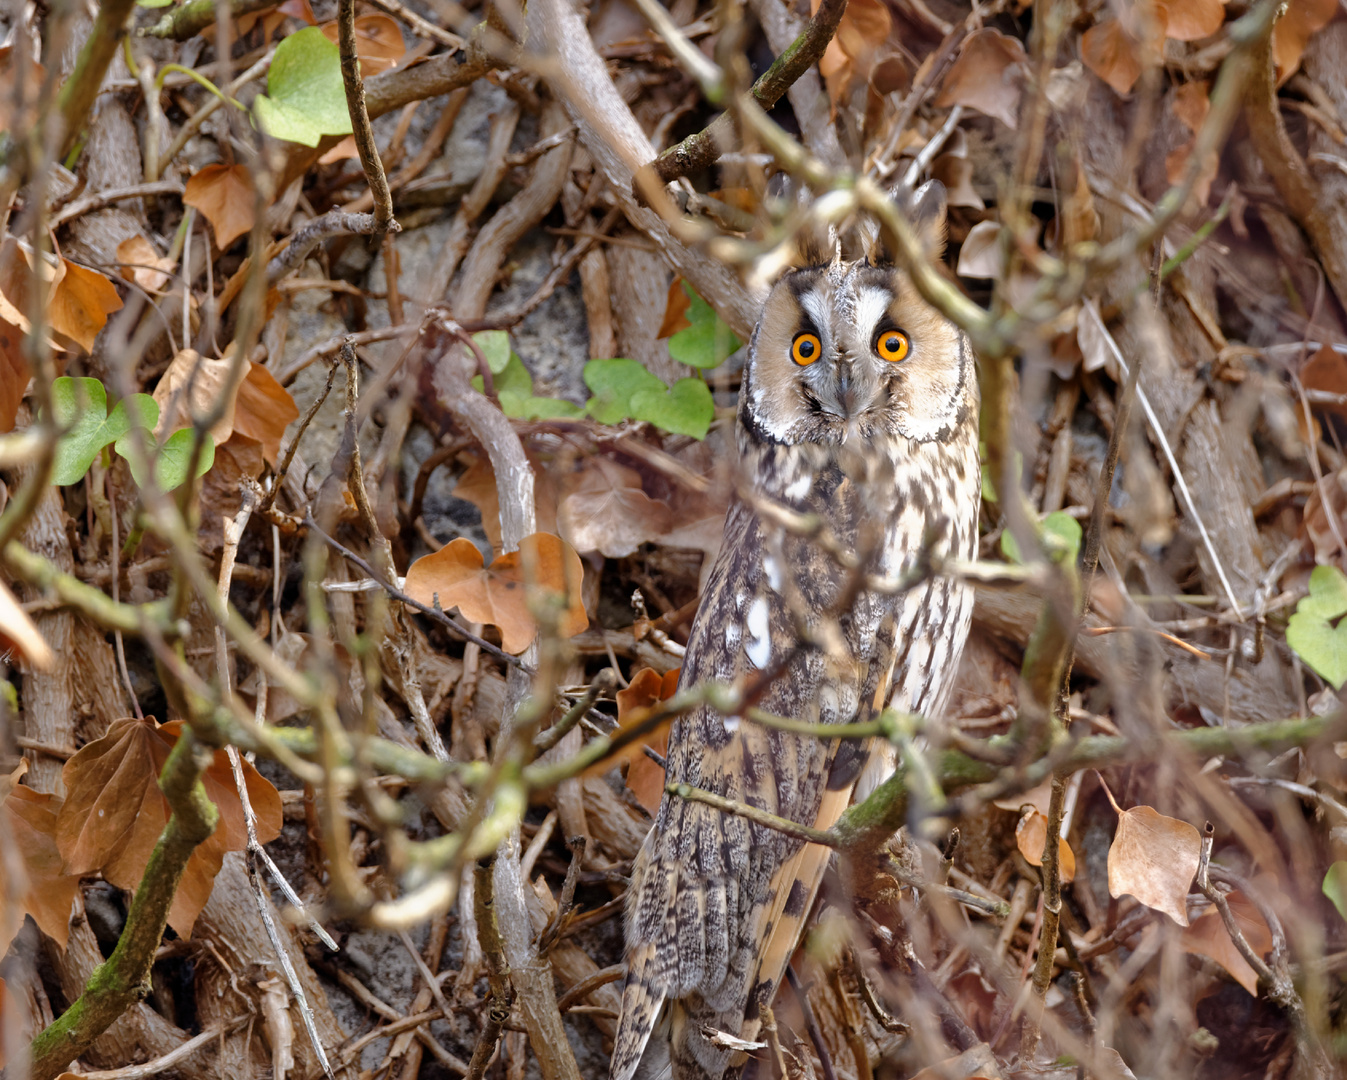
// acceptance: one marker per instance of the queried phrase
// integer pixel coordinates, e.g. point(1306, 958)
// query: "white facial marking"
point(759, 647)
point(817, 310)
point(871, 305)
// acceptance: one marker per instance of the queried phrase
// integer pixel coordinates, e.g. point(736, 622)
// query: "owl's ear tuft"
point(927, 212)
point(925, 209)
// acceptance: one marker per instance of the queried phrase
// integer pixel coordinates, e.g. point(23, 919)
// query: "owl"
point(859, 404)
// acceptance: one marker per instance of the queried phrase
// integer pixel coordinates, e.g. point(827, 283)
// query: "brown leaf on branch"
point(1031, 837)
point(29, 820)
point(141, 262)
point(194, 385)
point(645, 778)
point(226, 196)
point(1292, 32)
point(544, 566)
point(1154, 858)
point(987, 76)
point(675, 310)
point(606, 510)
point(1112, 54)
point(1190, 20)
point(81, 303)
point(378, 42)
point(1207, 936)
point(851, 54)
point(263, 410)
point(14, 372)
point(114, 812)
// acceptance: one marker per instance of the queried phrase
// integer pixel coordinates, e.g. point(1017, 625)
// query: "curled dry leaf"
point(645, 778)
point(1112, 54)
point(1292, 32)
point(851, 54)
point(195, 385)
point(1208, 937)
point(956, 173)
point(14, 372)
point(988, 76)
point(19, 632)
point(1154, 858)
point(81, 303)
point(675, 310)
point(1190, 20)
point(226, 196)
point(980, 256)
point(141, 262)
point(114, 812)
point(1031, 836)
point(29, 820)
point(263, 410)
point(607, 511)
point(545, 565)
point(378, 42)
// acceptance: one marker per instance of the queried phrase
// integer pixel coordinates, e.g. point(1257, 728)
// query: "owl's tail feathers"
point(641, 1004)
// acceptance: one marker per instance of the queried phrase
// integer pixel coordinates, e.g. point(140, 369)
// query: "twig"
point(422, 28)
point(309, 235)
point(331, 346)
point(194, 16)
point(811, 1025)
point(89, 203)
point(698, 151)
point(270, 499)
point(179, 1054)
point(360, 123)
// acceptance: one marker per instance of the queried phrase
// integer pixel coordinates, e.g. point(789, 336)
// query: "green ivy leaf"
point(495, 346)
point(687, 408)
point(613, 383)
point(173, 459)
point(548, 408)
point(81, 405)
point(305, 99)
point(153, 3)
point(708, 342)
point(1313, 631)
point(1335, 886)
point(1059, 533)
point(512, 380)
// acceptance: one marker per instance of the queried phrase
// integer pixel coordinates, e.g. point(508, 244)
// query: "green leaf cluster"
point(1315, 632)
point(305, 98)
point(1059, 534)
point(80, 406)
point(622, 390)
point(708, 342)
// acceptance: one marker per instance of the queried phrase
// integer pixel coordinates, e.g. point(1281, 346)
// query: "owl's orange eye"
point(892, 345)
point(806, 349)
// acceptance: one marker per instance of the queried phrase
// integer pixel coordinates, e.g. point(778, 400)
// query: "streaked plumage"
point(884, 450)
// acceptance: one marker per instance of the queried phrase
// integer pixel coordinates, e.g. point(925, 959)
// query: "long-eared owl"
point(859, 408)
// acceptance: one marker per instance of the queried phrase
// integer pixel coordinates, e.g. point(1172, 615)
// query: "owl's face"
point(846, 351)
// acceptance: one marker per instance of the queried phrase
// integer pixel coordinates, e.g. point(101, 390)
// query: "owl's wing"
point(716, 901)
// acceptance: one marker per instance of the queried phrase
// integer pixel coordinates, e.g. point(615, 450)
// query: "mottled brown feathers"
point(886, 453)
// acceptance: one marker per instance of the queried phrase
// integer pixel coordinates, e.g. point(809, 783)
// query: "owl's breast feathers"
point(717, 902)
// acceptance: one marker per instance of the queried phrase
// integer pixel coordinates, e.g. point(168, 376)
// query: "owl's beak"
point(848, 392)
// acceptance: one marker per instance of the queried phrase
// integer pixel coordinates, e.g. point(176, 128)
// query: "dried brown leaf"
point(1208, 937)
point(13, 80)
point(194, 385)
point(29, 818)
point(226, 196)
point(1112, 54)
point(477, 485)
point(500, 594)
point(956, 173)
point(141, 262)
point(607, 511)
point(1292, 32)
point(378, 42)
point(1031, 837)
point(645, 778)
point(675, 310)
point(114, 812)
point(263, 410)
point(988, 76)
point(14, 373)
point(81, 303)
point(980, 256)
point(850, 55)
point(1190, 20)
point(1154, 858)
